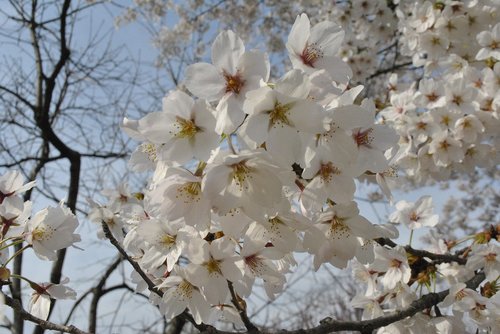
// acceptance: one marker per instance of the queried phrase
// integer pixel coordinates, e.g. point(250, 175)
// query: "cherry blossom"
point(51, 229)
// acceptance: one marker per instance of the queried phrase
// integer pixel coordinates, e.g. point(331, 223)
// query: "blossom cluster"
point(448, 120)
point(46, 232)
point(248, 171)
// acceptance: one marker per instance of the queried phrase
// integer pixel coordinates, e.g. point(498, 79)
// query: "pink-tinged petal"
point(205, 81)
point(339, 71)
point(226, 51)
point(299, 34)
point(255, 63)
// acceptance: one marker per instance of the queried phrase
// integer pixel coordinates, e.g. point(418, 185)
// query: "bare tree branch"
point(41, 323)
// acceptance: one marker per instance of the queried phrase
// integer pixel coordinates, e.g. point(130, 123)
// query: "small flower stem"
point(16, 254)
point(200, 168)
point(22, 278)
point(411, 237)
point(9, 245)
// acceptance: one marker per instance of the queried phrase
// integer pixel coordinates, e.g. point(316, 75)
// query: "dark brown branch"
point(135, 265)
point(151, 286)
point(328, 325)
point(241, 309)
point(98, 293)
point(41, 323)
point(438, 258)
point(390, 69)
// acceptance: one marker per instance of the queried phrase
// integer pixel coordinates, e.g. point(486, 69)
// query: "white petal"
point(226, 51)
point(205, 81)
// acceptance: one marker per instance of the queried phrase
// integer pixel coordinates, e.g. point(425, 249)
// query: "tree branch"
point(41, 323)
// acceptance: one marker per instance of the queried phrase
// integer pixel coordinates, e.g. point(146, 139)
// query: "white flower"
point(277, 115)
point(14, 213)
point(248, 180)
point(11, 183)
point(185, 128)
point(415, 215)
point(50, 230)
point(468, 128)
point(461, 297)
point(39, 305)
point(430, 94)
point(487, 257)
point(179, 195)
point(445, 149)
point(312, 49)
point(395, 265)
point(234, 73)
point(280, 231)
point(165, 240)
point(213, 264)
point(490, 41)
point(329, 180)
point(181, 293)
point(334, 238)
point(258, 261)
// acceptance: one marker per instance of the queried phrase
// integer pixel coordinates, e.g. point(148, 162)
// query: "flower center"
point(432, 97)
point(326, 171)
point(414, 216)
point(241, 172)
point(491, 257)
point(279, 115)
point(42, 233)
point(234, 83)
point(363, 138)
point(213, 266)
point(311, 54)
point(185, 289)
point(338, 228)
point(254, 262)
point(457, 99)
point(168, 240)
point(395, 263)
point(150, 150)
point(185, 128)
point(444, 145)
point(191, 191)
